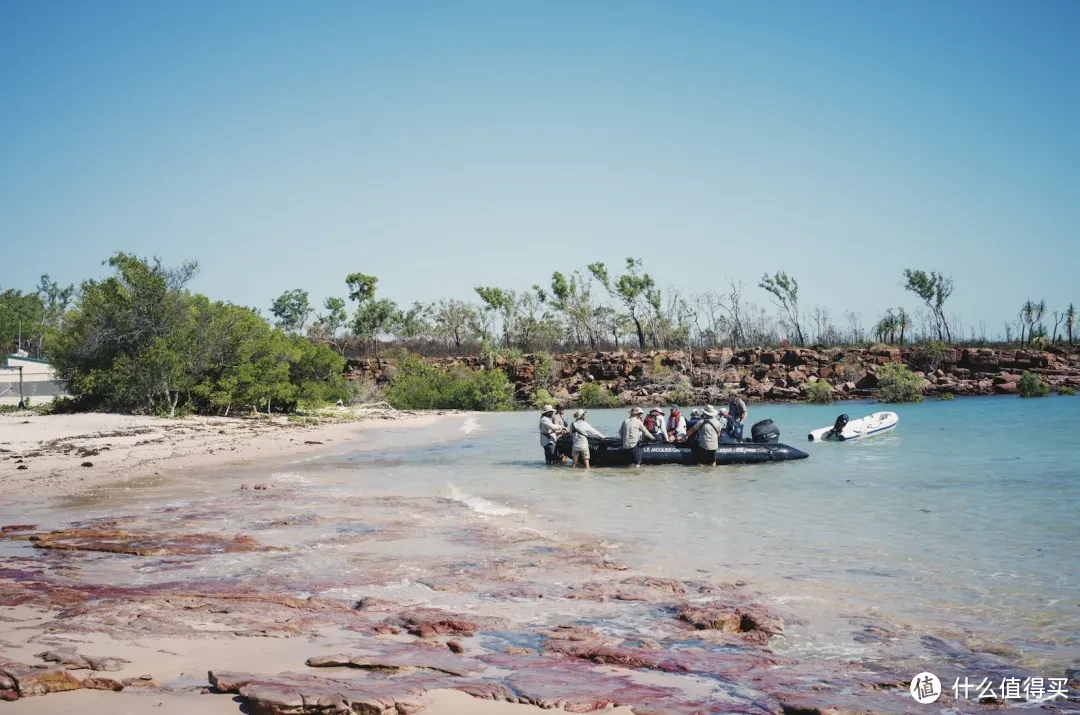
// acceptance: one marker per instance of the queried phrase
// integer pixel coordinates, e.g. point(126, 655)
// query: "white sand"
point(53, 448)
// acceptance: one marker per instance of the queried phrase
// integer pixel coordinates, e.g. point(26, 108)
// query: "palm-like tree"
point(903, 323)
point(1070, 321)
point(1027, 320)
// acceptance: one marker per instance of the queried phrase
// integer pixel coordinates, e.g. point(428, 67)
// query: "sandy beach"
point(77, 455)
point(43, 455)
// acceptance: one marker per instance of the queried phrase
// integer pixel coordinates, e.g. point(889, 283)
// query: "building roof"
point(27, 359)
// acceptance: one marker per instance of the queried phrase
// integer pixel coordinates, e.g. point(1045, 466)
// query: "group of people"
point(704, 431)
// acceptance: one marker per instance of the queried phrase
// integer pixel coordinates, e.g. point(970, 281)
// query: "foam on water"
point(479, 504)
point(471, 425)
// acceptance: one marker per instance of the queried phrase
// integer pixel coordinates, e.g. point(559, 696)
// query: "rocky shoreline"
point(653, 645)
point(765, 375)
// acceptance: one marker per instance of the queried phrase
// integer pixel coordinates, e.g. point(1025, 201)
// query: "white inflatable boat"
point(845, 430)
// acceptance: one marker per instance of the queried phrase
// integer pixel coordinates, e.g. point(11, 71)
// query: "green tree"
point(328, 325)
point(635, 289)
point(361, 287)
point(785, 291)
point(452, 320)
point(572, 296)
point(292, 310)
point(503, 303)
point(903, 323)
point(416, 322)
point(373, 316)
point(934, 289)
point(129, 338)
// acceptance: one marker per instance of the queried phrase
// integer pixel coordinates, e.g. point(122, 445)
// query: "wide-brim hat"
point(655, 411)
point(579, 414)
point(547, 408)
point(709, 411)
point(635, 410)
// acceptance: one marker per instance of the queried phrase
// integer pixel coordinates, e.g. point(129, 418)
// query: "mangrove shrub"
point(592, 395)
point(819, 393)
point(899, 384)
point(1030, 385)
point(416, 385)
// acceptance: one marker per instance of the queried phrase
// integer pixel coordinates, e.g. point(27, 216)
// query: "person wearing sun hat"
point(582, 430)
point(549, 435)
point(708, 436)
point(633, 432)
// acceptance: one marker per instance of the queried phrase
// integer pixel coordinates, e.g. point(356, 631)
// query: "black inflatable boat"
point(609, 452)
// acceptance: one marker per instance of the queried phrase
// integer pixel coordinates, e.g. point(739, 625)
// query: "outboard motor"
point(765, 432)
point(840, 424)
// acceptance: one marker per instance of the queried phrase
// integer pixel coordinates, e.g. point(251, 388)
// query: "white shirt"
point(549, 431)
point(679, 428)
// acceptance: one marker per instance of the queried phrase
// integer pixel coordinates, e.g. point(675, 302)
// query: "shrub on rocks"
point(1066, 391)
point(899, 384)
point(592, 395)
point(541, 397)
point(1030, 385)
point(946, 396)
point(681, 394)
point(819, 393)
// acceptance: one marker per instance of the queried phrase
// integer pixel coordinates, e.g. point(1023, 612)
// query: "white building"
point(38, 380)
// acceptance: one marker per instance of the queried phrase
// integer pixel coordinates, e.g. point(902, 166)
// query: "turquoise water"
point(962, 522)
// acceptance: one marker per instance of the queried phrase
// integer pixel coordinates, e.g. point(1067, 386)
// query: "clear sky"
point(441, 145)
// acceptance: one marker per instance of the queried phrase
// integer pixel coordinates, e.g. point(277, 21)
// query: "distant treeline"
point(597, 309)
point(141, 340)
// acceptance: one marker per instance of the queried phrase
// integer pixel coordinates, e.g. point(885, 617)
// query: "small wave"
point(290, 478)
point(481, 505)
point(471, 425)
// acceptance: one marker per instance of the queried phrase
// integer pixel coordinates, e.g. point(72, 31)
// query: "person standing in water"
point(632, 432)
point(708, 436)
point(549, 435)
point(559, 417)
point(582, 430)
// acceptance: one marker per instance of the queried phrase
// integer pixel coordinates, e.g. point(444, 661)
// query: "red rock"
point(102, 684)
point(377, 605)
point(75, 661)
point(754, 621)
point(403, 658)
point(432, 622)
point(119, 541)
point(455, 647)
point(17, 527)
point(143, 681)
point(291, 693)
point(29, 681)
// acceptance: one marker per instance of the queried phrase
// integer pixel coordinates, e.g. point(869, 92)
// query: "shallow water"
point(960, 523)
point(963, 519)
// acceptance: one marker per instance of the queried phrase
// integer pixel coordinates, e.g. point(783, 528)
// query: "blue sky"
point(442, 145)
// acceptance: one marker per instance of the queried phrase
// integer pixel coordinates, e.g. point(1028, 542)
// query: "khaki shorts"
point(583, 453)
